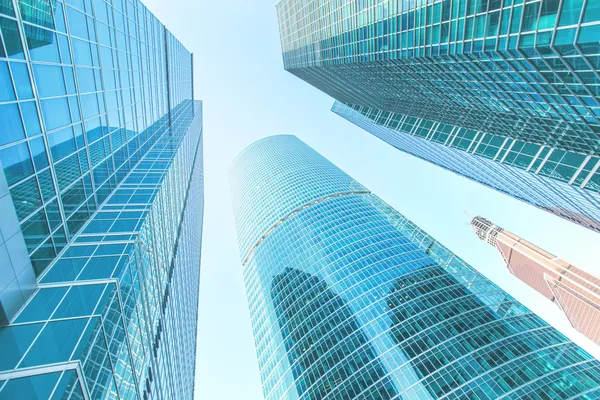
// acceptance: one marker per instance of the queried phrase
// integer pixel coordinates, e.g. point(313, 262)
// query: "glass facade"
point(102, 198)
point(474, 160)
point(350, 299)
point(514, 82)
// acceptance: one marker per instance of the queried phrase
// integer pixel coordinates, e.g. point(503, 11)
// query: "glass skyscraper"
point(351, 300)
point(101, 201)
point(506, 93)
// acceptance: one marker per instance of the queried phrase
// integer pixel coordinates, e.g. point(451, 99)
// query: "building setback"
point(576, 292)
point(101, 201)
point(349, 299)
point(504, 93)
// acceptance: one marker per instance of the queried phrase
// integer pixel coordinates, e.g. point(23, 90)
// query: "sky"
point(247, 95)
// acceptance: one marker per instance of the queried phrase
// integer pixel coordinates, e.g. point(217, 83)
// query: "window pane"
point(38, 153)
point(22, 81)
point(56, 342)
point(42, 44)
point(42, 305)
point(56, 113)
point(11, 128)
point(6, 88)
point(12, 39)
point(14, 342)
point(35, 230)
point(61, 143)
point(30, 117)
point(49, 80)
point(32, 387)
point(16, 163)
point(26, 198)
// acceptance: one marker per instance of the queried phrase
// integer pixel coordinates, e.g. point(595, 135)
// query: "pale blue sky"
point(247, 95)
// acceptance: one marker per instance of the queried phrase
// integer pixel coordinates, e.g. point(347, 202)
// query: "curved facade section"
point(349, 299)
point(286, 166)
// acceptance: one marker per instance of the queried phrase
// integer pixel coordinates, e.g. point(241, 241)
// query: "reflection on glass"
point(324, 342)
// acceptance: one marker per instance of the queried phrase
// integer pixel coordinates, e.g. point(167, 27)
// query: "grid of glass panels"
point(494, 163)
point(566, 166)
point(84, 94)
point(255, 209)
point(100, 144)
point(349, 299)
point(116, 314)
point(521, 69)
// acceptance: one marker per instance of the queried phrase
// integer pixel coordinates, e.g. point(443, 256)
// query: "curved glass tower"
point(349, 299)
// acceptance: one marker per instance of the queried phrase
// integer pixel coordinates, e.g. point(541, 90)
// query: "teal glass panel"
point(11, 127)
point(22, 81)
point(571, 10)
point(42, 44)
point(15, 341)
point(56, 342)
point(30, 117)
point(38, 387)
point(38, 153)
point(50, 82)
point(42, 305)
point(12, 40)
point(592, 12)
point(6, 87)
point(16, 161)
point(56, 112)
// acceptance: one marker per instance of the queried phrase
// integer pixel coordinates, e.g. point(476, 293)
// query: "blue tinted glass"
point(16, 162)
point(46, 185)
point(61, 143)
point(55, 343)
point(77, 23)
point(56, 113)
point(42, 257)
point(6, 88)
point(42, 44)
point(69, 380)
point(80, 301)
point(26, 198)
point(41, 305)
point(70, 80)
point(592, 12)
point(6, 8)
point(89, 104)
point(22, 81)
point(35, 229)
point(38, 387)
point(59, 18)
point(53, 214)
point(12, 41)
point(49, 79)
point(85, 78)
point(30, 117)
point(99, 268)
point(65, 53)
point(78, 130)
point(14, 342)
point(81, 49)
point(74, 104)
point(38, 152)
point(65, 269)
point(11, 128)
point(571, 10)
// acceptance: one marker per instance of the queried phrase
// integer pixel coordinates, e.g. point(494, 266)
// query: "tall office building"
point(101, 199)
point(576, 292)
point(351, 300)
point(505, 93)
